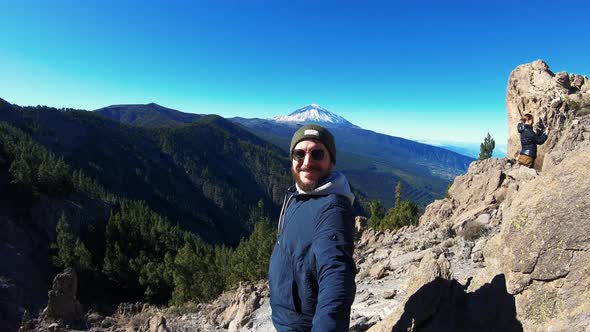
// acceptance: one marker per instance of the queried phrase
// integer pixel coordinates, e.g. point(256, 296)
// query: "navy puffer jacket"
point(311, 273)
point(529, 139)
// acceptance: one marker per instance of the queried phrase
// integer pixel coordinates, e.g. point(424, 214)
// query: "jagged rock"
point(108, 322)
point(578, 82)
point(62, 303)
point(482, 179)
point(378, 271)
point(406, 259)
point(156, 323)
point(437, 212)
point(522, 173)
point(360, 225)
point(368, 238)
point(364, 296)
point(562, 80)
point(390, 295)
point(483, 219)
point(94, 318)
point(362, 323)
point(246, 299)
point(477, 255)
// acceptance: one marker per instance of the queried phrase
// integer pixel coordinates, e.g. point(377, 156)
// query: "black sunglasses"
point(316, 154)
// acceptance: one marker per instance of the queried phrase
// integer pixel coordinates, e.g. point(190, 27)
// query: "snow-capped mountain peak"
point(313, 113)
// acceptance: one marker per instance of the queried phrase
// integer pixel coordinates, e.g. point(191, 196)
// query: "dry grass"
point(472, 231)
point(579, 107)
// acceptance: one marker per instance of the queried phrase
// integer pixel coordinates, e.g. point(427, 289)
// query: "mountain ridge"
point(373, 162)
point(147, 115)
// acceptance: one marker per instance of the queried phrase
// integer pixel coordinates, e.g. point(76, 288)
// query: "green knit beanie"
point(318, 133)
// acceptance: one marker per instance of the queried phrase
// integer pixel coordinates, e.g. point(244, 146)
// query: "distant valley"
point(373, 162)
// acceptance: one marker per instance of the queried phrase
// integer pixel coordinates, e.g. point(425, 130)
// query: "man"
point(311, 273)
point(529, 139)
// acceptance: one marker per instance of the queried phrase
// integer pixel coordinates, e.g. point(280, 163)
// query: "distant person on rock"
point(529, 139)
point(311, 273)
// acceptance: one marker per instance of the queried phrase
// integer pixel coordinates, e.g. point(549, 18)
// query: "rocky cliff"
point(556, 101)
point(529, 271)
point(508, 249)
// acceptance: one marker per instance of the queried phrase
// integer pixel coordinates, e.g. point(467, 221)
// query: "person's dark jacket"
point(311, 272)
point(529, 139)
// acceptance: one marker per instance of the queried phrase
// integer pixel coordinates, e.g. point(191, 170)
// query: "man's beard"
point(307, 187)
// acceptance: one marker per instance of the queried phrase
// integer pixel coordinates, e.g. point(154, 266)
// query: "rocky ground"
point(508, 249)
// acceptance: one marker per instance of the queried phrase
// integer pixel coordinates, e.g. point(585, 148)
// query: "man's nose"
point(307, 160)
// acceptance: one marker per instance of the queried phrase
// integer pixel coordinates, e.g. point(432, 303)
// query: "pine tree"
point(64, 243)
point(398, 193)
point(71, 252)
point(376, 214)
point(487, 147)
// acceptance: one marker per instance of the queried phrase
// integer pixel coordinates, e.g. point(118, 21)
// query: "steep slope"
point(147, 115)
point(205, 176)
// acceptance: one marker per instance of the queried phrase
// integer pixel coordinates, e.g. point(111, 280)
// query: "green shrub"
point(405, 214)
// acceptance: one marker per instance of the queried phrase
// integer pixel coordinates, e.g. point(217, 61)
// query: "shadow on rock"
point(443, 305)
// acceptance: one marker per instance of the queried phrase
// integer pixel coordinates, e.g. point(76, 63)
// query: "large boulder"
point(62, 303)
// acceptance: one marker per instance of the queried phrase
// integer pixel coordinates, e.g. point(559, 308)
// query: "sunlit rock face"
point(557, 101)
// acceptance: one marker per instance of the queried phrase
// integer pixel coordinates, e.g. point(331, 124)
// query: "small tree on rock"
point(487, 147)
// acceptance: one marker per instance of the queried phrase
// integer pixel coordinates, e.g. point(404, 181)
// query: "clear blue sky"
point(424, 70)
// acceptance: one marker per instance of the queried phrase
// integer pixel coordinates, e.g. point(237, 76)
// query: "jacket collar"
point(336, 183)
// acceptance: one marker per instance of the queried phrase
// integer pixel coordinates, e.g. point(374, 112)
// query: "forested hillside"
point(204, 176)
point(55, 216)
